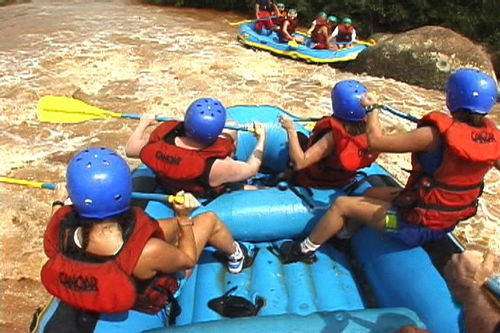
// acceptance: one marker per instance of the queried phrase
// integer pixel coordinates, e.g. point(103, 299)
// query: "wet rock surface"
point(425, 57)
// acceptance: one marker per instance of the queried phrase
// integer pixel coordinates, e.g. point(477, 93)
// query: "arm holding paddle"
point(231, 133)
point(229, 170)
point(422, 139)
point(276, 9)
point(139, 139)
point(285, 31)
point(333, 36)
point(60, 196)
point(186, 240)
point(299, 158)
point(313, 25)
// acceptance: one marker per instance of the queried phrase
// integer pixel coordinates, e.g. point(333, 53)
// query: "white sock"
point(238, 254)
point(308, 246)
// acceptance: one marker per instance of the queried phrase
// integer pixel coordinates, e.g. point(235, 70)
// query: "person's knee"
point(210, 216)
point(209, 219)
point(342, 205)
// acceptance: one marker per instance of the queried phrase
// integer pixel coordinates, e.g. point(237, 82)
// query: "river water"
point(135, 58)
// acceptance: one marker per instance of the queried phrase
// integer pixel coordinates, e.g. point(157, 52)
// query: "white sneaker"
point(236, 265)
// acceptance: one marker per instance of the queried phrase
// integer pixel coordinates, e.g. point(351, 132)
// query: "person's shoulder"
point(153, 246)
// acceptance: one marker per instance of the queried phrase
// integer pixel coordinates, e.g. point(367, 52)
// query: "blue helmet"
point(471, 90)
point(346, 100)
point(99, 183)
point(204, 120)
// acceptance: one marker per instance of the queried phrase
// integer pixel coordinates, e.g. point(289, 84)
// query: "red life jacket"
point(280, 19)
point(316, 36)
point(292, 26)
point(440, 200)
point(106, 287)
point(345, 33)
point(180, 168)
point(339, 169)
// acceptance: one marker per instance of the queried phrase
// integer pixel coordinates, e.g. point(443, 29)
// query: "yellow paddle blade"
point(309, 125)
point(293, 43)
point(66, 110)
point(21, 182)
point(240, 22)
point(371, 42)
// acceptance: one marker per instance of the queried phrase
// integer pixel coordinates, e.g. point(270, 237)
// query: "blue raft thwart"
point(327, 296)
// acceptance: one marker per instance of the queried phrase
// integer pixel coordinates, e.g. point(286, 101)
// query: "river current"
point(134, 58)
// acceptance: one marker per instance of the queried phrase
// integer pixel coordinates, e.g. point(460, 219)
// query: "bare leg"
point(387, 193)
point(367, 210)
point(209, 229)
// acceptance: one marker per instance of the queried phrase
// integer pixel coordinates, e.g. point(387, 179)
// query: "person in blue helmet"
point(195, 155)
point(450, 156)
point(338, 146)
point(107, 256)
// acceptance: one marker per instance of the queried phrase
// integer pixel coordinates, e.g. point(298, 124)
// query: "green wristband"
point(391, 222)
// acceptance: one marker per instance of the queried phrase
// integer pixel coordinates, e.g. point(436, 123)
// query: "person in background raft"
point(263, 9)
point(195, 155)
point(344, 33)
point(129, 260)
point(338, 146)
point(281, 13)
point(450, 157)
point(321, 17)
point(320, 35)
point(288, 27)
point(332, 25)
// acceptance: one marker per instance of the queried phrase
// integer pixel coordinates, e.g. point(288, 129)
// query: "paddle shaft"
point(359, 42)
point(135, 195)
point(400, 114)
point(137, 117)
point(387, 108)
point(304, 33)
point(256, 20)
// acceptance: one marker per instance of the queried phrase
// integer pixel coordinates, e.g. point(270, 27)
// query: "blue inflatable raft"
point(376, 284)
point(248, 36)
